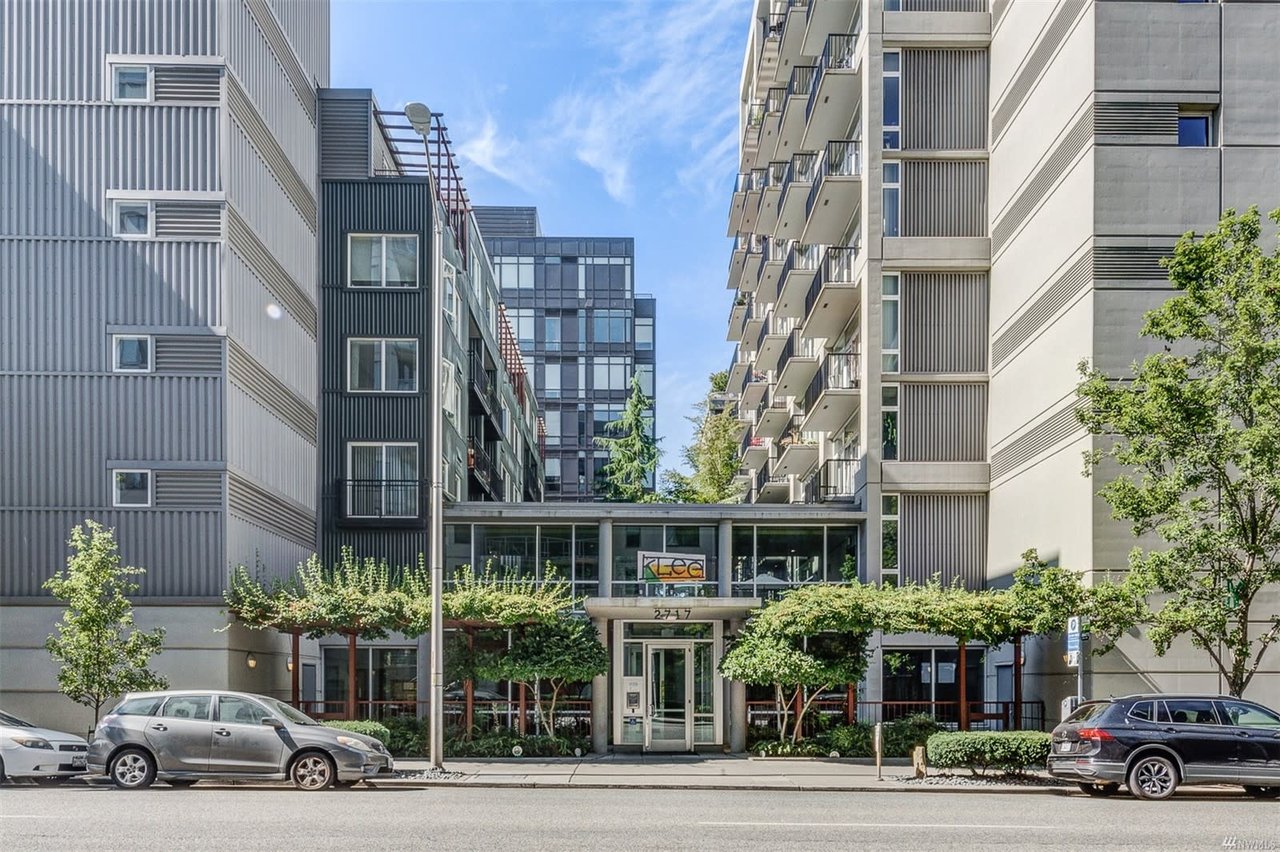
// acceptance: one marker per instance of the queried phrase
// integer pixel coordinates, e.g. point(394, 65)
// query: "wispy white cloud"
point(503, 157)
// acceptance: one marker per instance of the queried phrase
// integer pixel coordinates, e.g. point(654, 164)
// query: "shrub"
point(500, 741)
point(1011, 751)
point(903, 735)
point(377, 730)
point(408, 736)
point(787, 748)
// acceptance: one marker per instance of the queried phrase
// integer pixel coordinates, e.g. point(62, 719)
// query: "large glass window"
point(644, 333)
point(522, 321)
point(842, 554)
point(889, 422)
point(889, 574)
point(586, 544)
point(628, 541)
point(387, 366)
point(382, 480)
point(644, 372)
point(511, 550)
point(382, 260)
point(514, 273)
point(892, 193)
point(611, 326)
point(551, 380)
point(551, 473)
point(890, 314)
point(602, 416)
point(892, 100)
point(552, 420)
point(552, 331)
point(611, 373)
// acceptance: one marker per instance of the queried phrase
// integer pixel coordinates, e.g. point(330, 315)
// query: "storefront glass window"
point(507, 549)
point(586, 560)
point(842, 554)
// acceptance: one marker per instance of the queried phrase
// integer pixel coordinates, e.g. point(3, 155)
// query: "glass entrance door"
point(669, 678)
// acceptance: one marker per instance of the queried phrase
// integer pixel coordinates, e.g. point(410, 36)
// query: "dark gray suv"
point(184, 736)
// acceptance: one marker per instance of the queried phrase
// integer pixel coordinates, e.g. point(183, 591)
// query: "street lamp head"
point(419, 116)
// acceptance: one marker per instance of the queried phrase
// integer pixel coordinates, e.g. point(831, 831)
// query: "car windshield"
point(13, 721)
point(294, 715)
point(1086, 712)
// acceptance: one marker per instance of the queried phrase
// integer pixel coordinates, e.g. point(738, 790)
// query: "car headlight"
point(352, 742)
point(32, 742)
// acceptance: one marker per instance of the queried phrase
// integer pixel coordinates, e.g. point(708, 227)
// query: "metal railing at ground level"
point(572, 715)
point(826, 713)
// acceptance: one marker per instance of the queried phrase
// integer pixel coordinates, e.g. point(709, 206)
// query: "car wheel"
point(313, 772)
point(132, 769)
point(181, 782)
point(1153, 777)
point(1262, 792)
point(1100, 790)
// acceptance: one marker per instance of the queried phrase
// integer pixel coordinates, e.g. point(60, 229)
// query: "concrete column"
point(737, 709)
point(604, 571)
point(724, 555)
point(600, 696)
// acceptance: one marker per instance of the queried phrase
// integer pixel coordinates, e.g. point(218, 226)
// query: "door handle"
point(1171, 730)
point(159, 727)
point(1242, 733)
point(222, 732)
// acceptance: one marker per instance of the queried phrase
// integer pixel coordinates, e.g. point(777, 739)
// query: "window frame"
point(887, 186)
point(895, 129)
point(1207, 115)
point(115, 493)
point(383, 341)
point(382, 285)
point(349, 479)
point(117, 67)
point(891, 356)
point(115, 354)
point(117, 203)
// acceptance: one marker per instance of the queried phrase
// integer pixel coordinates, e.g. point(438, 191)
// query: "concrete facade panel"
point(1145, 191)
point(1252, 176)
point(1158, 46)
point(1250, 97)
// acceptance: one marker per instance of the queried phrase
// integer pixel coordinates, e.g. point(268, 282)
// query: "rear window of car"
point(1142, 710)
point(137, 707)
point(1088, 712)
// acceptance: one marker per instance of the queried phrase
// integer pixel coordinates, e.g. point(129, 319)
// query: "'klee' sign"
point(672, 567)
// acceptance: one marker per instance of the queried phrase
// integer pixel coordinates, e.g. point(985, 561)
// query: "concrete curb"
point(409, 783)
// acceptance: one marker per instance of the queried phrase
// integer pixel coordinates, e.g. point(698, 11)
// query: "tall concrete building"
point(944, 206)
point(586, 331)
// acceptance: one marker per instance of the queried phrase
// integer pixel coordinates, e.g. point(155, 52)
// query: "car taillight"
point(1095, 734)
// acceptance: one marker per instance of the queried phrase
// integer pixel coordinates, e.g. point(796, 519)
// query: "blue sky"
point(613, 117)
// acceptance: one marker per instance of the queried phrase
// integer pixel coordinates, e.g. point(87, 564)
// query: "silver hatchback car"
point(183, 736)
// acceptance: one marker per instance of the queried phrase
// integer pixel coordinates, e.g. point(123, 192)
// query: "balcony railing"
point(801, 82)
point(837, 268)
point(773, 24)
point(839, 372)
point(841, 158)
point(802, 169)
point(776, 173)
point(837, 55)
point(755, 114)
point(480, 463)
point(798, 346)
point(774, 98)
point(838, 478)
point(377, 500)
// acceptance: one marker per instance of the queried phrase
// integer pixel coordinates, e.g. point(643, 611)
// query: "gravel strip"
point(427, 775)
point(949, 780)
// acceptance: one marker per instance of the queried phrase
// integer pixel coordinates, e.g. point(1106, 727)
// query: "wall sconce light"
point(288, 664)
point(250, 660)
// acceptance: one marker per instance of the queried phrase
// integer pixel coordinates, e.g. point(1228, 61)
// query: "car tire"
point(313, 771)
point(1262, 792)
point(1099, 790)
point(181, 783)
point(1153, 777)
point(3, 777)
point(132, 769)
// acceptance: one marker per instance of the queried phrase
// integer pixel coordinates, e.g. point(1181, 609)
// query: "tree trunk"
point(782, 712)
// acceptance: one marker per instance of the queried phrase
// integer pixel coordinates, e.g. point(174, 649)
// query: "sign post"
point(1073, 653)
point(878, 742)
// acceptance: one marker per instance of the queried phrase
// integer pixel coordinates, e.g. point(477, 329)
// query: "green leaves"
point(713, 455)
point(633, 450)
point(1195, 433)
point(103, 654)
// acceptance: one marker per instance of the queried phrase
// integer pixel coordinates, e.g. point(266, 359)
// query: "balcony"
point(755, 451)
point(833, 297)
point(836, 91)
point(482, 472)
point(481, 382)
point(737, 203)
point(769, 271)
point(791, 47)
point(834, 393)
point(753, 328)
point(753, 122)
point(798, 364)
point(742, 246)
point(738, 316)
point(772, 121)
point(775, 416)
point(738, 370)
point(381, 502)
point(754, 390)
point(771, 488)
point(838, 480)
point(776, 334)
point(796, 279)
point(835, 194)
point(751, 204)
point(794, 109)
point(775, 174)
point(799, 450)
point(829, 16)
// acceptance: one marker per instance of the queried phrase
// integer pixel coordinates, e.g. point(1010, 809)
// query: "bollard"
point(877, 741)
point(918, 762)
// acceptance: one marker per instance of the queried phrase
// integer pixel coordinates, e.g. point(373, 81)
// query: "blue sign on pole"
point(1073, 641)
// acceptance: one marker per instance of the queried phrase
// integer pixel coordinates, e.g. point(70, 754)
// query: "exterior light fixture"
point(250, 660)
point(419, 116)
point(288, 664)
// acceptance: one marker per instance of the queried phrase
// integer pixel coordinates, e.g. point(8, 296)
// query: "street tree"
point(101, 651)
point(713, 455)
point(633, 450)
point(557, 654)
point(1195, 432)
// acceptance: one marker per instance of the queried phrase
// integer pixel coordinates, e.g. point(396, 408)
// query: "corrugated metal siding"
point(132, 425)
point(288, 60)
point(54, 50)
point(270, 392)
point(290, 296)
point(1035, 63)
point(397, 546)
point(1055, 165)
point(345, 134)
point(945, 535)
point(181, 549)
point(261, 445)
point(1038, 315)
point(282, 345)
point(944, 199)
point(1136, 119)
point(187, 83)
point(262, 550)
point(254, 503)
point(189, 219)
point(499, 222)
point(57, 162)
point(1051, 431)
point(70, 291)
point(944, 94)
point(306, 26)
point(943, 422)
point(189, 354)
point(246, 115)
point(944, 322)
point(1131, 263)
point(188, 489)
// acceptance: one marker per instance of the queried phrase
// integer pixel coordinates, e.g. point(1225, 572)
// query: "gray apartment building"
point(584, 329)
point(943, 206)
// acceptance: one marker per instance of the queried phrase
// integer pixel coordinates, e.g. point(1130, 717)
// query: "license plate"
point(78, 761)
point(1064, 746)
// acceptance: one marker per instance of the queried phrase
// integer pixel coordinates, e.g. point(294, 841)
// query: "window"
point(131, 353)
point(1142, 710)
point(889, 313)
point(240, 711)
point(382, 480)
point(522, 325)
point(382, 260)
point(644, 372)
point(551, 419)
point(892, 100)
point(186, 707)
point(1249, 715)
point(644, 334)
point(130, 83)
point(889, 427)
point(551, 384)
point(451, 393)
point(132, 219)
point(889, 575)
point(131, 488)
point(514, 273)
point(382, 366)
point(551, 471)
point(552, 331)
point(1195, 129)
point(892, 187)
point(449, 292)
point(1196, 711)
point(137, 707)
point(611, 326)
point(602, 416)
point(611, 373)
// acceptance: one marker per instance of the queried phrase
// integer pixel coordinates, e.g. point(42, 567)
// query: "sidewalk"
point(688, 772)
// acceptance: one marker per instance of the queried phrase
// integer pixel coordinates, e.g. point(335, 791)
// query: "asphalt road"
point(102, 818)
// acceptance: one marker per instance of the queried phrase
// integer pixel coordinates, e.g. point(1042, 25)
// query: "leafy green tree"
point(713, 455)
point(102, 653)
point(560, 653)
point(633, 450)
point(1196, 433)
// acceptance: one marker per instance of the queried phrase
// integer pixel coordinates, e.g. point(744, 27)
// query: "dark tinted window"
point(137, 707)
point(1088, 712)
point(1192, 711)
point(1141, 710)
point(186, 707)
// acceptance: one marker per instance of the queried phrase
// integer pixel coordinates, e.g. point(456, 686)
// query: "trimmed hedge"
point(978, 751)
point(900, 737)
point(377, 730)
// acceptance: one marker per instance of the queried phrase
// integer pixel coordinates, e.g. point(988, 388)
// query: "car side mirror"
point(272, 722)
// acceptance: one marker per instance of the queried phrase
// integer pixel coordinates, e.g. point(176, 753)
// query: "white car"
point(30, 752)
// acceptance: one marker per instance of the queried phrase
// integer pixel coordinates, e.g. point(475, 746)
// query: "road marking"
point(881, 825)
point(25, 816)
